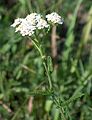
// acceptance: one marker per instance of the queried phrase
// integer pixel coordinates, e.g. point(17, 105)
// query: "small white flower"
point(25, 28)
point(17, 22)
point(54, 18)
point(42, 24)
point(33, 18)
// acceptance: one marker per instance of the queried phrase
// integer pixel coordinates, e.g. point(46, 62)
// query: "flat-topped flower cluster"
point(54, 18)
point(27, 26)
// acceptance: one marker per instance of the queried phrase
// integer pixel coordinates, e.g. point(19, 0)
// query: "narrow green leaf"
point(50, 64)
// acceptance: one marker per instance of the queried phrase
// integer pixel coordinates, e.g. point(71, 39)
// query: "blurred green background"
point(21, 69)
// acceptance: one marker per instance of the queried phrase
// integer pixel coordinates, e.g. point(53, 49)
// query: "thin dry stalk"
point(5, 107)
point(30, 104)
point(54, 46)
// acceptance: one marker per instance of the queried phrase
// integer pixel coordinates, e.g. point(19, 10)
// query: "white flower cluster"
point(28, 25)
point(54, 18)
point(33, 21)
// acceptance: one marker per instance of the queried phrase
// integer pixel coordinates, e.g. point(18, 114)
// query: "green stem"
point(63, 116)
point(44, 63)
point(48, 75)
point(37, 47)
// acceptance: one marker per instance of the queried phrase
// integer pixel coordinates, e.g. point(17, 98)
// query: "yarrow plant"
point(28, 26)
